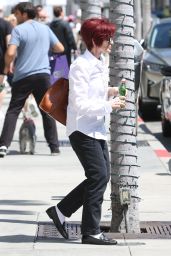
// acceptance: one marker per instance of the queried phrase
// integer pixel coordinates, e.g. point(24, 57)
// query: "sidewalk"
point(30, 184)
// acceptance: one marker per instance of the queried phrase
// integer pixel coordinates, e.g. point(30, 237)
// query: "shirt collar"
point(94, 61)
point(57, 18)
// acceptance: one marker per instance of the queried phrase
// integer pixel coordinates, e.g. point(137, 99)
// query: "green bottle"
point(122, 88)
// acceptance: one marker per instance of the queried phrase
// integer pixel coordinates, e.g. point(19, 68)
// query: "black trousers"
point(37, 85)
point(94, 157)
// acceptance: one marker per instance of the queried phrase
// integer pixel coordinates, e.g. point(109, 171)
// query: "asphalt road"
point(154, 126)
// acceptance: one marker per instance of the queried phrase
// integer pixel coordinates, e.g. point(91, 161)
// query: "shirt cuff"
point(108, 107)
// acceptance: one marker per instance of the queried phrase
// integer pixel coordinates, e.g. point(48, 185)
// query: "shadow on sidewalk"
point(19, 221)
point(22, 202)
point(16, 212)
point(17, 239)
point(163, 174)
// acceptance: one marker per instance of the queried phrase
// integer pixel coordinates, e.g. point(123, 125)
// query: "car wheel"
point(147, 111)
point(166, 127)
point(142, 108)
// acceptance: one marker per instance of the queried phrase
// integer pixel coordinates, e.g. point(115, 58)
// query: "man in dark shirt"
point(5, 32)
point(63, 32)
point(30, 42)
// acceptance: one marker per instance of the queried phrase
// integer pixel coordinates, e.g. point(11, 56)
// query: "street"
point(154, 127)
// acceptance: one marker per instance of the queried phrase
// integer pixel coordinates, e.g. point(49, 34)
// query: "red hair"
point(97, 30)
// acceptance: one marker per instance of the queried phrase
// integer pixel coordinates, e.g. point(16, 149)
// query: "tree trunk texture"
point(123, 146)
point(90, 8)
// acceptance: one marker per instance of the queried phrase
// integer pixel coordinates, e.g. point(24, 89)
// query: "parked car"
point(165, 101)
point(157, 54)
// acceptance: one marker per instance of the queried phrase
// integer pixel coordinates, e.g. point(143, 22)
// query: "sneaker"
point(55, 152)
point(3, 151)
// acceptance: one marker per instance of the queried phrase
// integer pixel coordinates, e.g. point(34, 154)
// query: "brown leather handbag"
point(55, 100)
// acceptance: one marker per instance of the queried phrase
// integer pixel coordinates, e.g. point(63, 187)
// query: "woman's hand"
point(118, 102)
point(113, 91)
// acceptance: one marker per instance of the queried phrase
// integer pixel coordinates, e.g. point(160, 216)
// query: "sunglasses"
point(110, 41)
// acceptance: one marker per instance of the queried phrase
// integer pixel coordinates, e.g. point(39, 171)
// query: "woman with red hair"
point(89, 102)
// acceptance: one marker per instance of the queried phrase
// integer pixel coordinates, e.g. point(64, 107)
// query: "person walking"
point(30, 42)
point(63, 31)
point(90, 99)
point(5, 33)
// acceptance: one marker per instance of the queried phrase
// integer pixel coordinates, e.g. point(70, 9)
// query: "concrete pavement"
point(29, 184)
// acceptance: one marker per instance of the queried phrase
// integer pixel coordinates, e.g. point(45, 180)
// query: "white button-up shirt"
point(88, 101)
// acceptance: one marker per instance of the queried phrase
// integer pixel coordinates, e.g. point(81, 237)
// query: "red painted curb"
point(162, 153)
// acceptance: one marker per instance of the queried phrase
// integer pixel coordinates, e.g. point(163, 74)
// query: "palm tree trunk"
point(124, 176)
point(90, 8)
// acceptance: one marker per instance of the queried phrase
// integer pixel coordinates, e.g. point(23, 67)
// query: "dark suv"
point(157, 54)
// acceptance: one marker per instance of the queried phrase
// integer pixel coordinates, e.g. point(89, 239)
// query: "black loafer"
point(102, 240)
point(51, 212)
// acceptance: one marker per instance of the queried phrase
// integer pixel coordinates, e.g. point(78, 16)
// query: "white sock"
point(96, 236)
point(60, 215)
